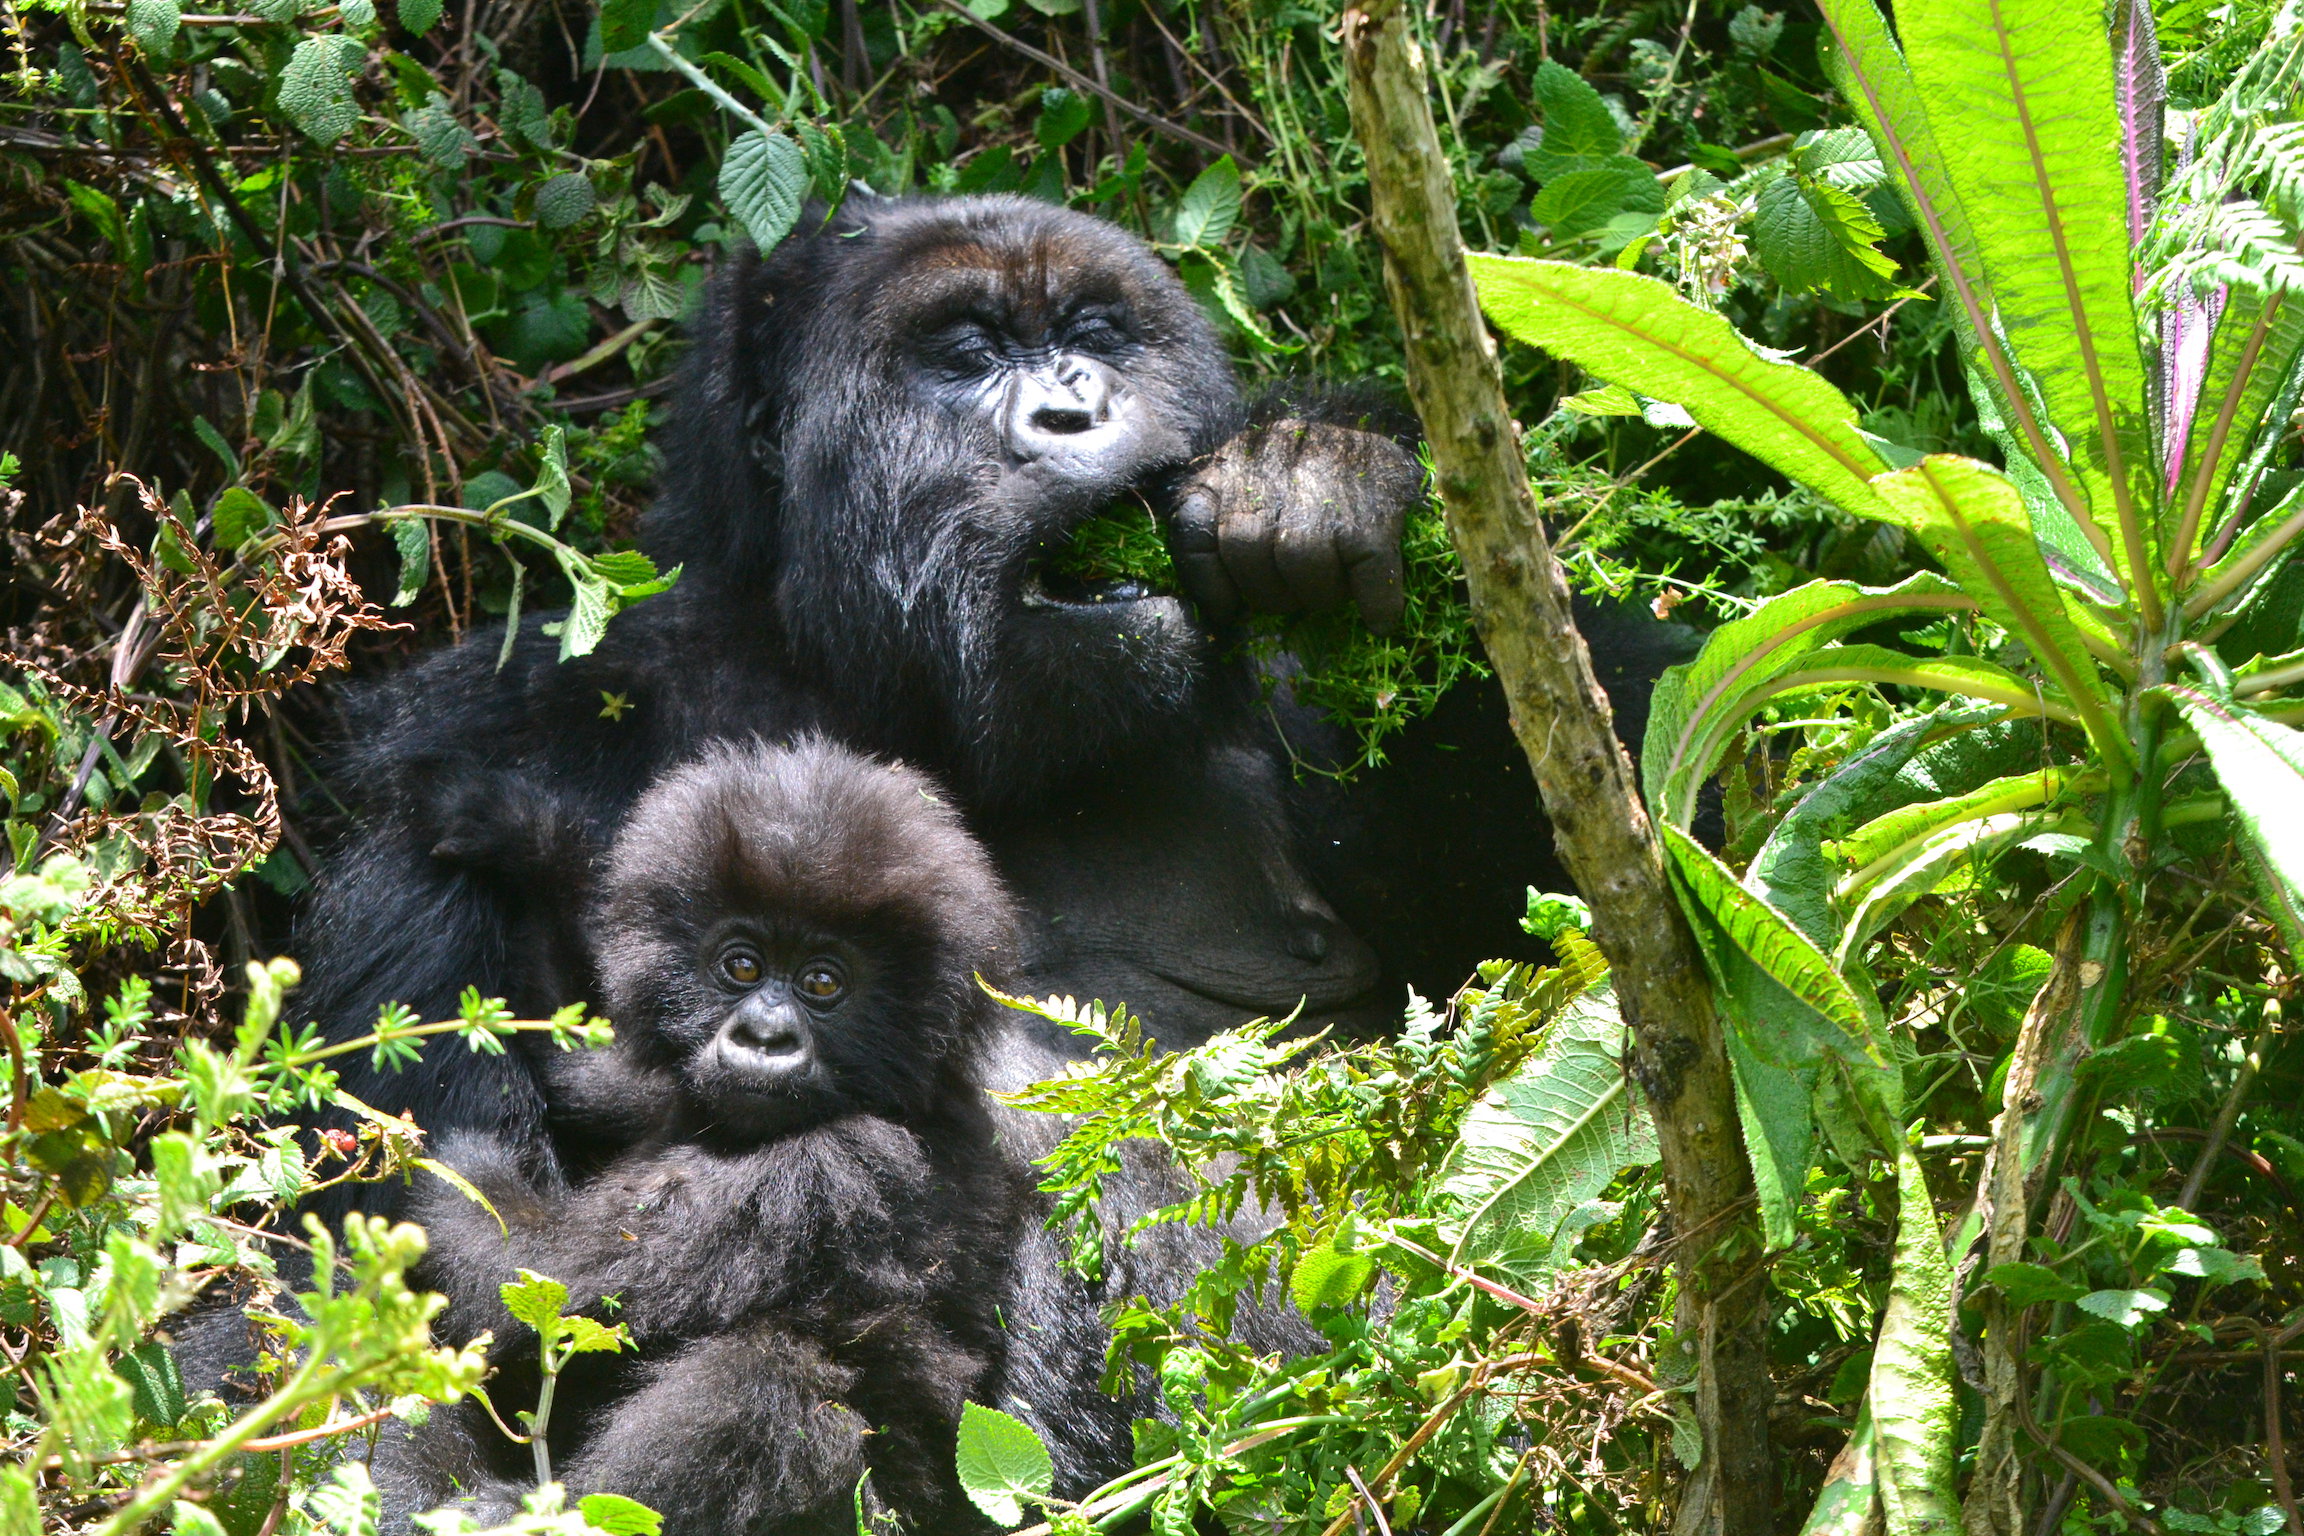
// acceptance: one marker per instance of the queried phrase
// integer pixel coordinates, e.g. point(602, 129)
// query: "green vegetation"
point(377, 307)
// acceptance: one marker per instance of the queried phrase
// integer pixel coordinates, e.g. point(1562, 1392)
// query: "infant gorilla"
point(809, 1237)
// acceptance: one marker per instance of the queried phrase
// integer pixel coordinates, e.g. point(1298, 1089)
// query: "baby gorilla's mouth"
point(1116, 557)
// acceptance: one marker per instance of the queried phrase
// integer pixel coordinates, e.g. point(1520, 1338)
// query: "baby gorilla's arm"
point(741, 1435)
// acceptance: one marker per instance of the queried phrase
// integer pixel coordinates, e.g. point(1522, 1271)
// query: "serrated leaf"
point(1630, 329)
point(534, 1299)
point(1814, 237)
point(2026, 1285)
point(1545, 1140)
point(619, 1516)
point(1001, 1461)
point(154, 23)
point(158, 1388)
point(445, 142)
point(551, 485)
point(1580, 132)
point(1063, 114)
point(625, 24)
point(564, 201)
point(764, 180)
point(1325, 1277)
point(1773, 1110)
point(588, 1336)
point(418, 16)
point(412, 541)
point(2126, 1308)
point(1210, 206)
point(316, 89)
point(239, 515)
point(1580, 201)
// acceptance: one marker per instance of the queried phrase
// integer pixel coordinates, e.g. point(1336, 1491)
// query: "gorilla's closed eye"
point(820, 982)
point(1095, 332)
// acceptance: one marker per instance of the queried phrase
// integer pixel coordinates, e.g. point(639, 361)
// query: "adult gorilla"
point(888, 431)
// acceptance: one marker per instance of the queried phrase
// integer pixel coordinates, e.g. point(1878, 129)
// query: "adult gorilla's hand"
point(1297, 515)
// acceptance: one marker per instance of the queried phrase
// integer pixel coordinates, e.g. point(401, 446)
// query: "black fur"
point(811, 1244)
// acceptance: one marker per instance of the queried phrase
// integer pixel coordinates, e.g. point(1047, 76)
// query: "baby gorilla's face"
point(771, 1064)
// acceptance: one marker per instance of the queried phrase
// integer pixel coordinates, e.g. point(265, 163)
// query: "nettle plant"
point(2122, 279)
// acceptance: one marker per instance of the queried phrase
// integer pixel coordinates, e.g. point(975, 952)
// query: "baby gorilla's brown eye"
point(819, 981)
point(741, 966)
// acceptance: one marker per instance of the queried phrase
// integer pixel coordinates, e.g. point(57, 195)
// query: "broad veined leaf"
point(1545, 1140)
point(1629, 329)
point(2250, 358)
point(1815, 237)
point(1972, 518)
point(1210, 206)
point(1580, 133)
point(763, 180)
point(1580, 201)
point(1764, 936)
point(2040, 173)
point(1001, 1463)
point(2261, 766)
point(1691, 716)
point(1884, 837)
point(1915, 1407)
point(316, 87)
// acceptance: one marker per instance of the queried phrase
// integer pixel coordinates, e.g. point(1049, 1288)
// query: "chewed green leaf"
point(2261, 766)
point(1633, 330)
point(1913, 1396)
point(1971, 517)
point(1001, 1463)
point(551, 486)
point(1695, 711)
point(535, 1299)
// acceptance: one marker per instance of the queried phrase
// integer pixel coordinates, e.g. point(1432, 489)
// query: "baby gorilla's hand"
point(1294, 516)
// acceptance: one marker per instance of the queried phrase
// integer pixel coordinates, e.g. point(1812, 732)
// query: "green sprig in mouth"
point(1118, 556)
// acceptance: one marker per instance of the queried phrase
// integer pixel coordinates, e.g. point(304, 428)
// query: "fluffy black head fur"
point(795, 933)
point(810, 1246)
point(895, 424)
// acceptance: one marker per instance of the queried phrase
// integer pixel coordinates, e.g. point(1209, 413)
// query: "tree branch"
point(1520, 607)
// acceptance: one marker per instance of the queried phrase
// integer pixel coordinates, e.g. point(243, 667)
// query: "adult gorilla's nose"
point(1065, 406)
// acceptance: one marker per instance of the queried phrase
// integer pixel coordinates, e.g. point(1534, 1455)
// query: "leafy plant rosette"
point(2111, 582)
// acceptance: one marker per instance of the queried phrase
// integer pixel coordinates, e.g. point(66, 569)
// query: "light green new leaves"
point(2261, 766)
point(1698, 708)
point(1972, 518)
point(1633, 330)
point(763, 180)
point(1001, 1463)
point(1545, 1140)
point(2038, 165)
point(1915, 1412)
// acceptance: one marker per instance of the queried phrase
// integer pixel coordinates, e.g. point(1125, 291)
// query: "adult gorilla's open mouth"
point(1114, 558)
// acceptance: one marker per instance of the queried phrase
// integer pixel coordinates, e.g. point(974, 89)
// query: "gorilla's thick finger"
point(1305, 553)
point(1379, 589)
point(1199, 564)
point(1246, 535)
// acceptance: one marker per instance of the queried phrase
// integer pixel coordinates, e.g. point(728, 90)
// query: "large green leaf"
point(1913, 1399)
point(1633, 330)
point(1972, 676)
point(1878, 892)
point(1972, 518)
point(1001, 1462)
point(1692, 714)
point(2037, 162)
point(763, 179)
point(1779, 1134)
point(1545, 1140)
point(2261, 766)
point(1905, 827)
